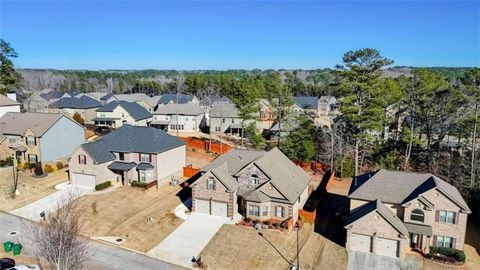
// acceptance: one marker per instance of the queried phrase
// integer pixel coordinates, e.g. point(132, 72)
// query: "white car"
point(25, 267)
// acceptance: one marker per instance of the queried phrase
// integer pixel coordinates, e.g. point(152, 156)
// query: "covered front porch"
point(105, 123)
point(160, 124)
point(419, 236)
point(143, 173)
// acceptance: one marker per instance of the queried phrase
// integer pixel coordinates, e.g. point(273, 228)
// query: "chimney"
point(12, 95)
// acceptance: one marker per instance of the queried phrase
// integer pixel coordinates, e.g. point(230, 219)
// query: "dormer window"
point(210, 183)
point(254, 179)
point(121, 156)
point(417, 215)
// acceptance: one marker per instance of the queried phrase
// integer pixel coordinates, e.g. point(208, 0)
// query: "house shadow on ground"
point(185, 194)
point(331, 211)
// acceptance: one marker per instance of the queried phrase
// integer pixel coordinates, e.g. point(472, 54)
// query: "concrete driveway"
point(49, 203)
point(188, 240)
point(368, 261)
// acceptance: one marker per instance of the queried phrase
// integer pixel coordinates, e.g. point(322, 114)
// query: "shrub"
point(247, 219)
point(103, 185)
point(139, 184)
point(266, 222)
point(26, 165)
point(276, 225)
point(456, 254)
point(38, 170)
point(59, 165)
point(256, 221)
point(48, 168)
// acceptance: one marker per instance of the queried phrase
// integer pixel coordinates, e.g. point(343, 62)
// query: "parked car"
point(6, 263)
point(26, 267)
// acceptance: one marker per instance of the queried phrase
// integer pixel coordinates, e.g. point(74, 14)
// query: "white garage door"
point(360, 242)
point(386, 247)
point(84, 180)
point(220, 209)
point(202, 206)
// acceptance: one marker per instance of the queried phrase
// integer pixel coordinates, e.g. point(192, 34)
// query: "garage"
point(202, 206)
point(220, 209)
point(84, 180)
point(386, 247)
point(360, 242)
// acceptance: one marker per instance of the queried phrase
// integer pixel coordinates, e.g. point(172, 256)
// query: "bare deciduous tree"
point(57, 238)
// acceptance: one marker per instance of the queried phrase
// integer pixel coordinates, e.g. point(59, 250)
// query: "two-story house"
point(84, 105)
point(187, 117)
point(393, 212)
point(39, 137)
point(326, 104)
point(128, 154)
point(223, 117)
point(257, 184)
point(8, 104)
point(306, 103)
point(116, 113)
point(179, 99)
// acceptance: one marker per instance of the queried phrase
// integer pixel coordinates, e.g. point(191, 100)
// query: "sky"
point(223, 35)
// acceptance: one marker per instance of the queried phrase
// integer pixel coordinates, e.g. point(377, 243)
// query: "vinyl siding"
point(61, 140)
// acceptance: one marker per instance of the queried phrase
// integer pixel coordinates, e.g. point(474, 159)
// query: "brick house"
point(127, 154)
point(257, 184)
point(392, 212)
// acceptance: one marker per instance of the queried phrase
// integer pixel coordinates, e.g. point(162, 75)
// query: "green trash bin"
point(17, 248)
point(7, 246)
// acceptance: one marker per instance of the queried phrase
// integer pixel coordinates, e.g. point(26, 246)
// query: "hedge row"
point(139, 184)
point(456, 254)
point(103, 185)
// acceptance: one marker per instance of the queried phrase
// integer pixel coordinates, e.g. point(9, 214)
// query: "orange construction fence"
point(204, 144)
point(190, 171)
point(307, 216)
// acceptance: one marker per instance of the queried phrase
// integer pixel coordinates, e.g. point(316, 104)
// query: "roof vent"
point(240, 157)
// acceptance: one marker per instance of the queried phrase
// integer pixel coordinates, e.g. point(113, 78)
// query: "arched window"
point(417, 215)
point(254, 179)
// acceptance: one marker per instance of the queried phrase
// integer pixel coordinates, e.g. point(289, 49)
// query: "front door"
point(416, 241)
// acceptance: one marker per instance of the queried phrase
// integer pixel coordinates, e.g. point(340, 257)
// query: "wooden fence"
point(204, 144)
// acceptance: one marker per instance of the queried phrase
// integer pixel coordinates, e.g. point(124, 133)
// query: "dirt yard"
point(199, 158)
point(31, 189)
point(125, 212)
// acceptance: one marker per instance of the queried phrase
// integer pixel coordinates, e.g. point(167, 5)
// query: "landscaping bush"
point(266, 222)
point(247, 219)
point(103, 185)
point(456, 254)
point(38, 170)
point(48, 168)
point(26, 165)
point(7, 162)
point(139, 184)
point(59, 165)
point(256, 221)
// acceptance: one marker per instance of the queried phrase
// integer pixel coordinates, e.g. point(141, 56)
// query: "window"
point(11, 140)
point(223, 120)
point(32, 158)
point(211, 183)
point(279, 211)
point(121, 156)
point(145, 176)
point(254, 179)
point(417, 215)
point(30, 140)
point(265, 211)
point(254, 210)
point(444, 241)
point(145, 157)
point(82, 159)
point(446, 217)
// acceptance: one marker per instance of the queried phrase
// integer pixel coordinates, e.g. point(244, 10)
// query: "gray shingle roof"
point(136, 111)
point(290, 180)
point(17, 123)
point(400, 187)
point(377, 205)
point(5, 101)
point(224, 110)
point(121, 166)
point(144, 166)
point(131, 139)
point(82, 102)
point(419, 228)
point(307, 102)
point(182, 98)
point(209, 101)
point(106, 97)
point(52, 95)
point(183, 109)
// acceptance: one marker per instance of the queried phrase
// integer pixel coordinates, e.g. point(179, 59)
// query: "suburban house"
point(116, 113)
point(326, 104)
point(84, 105)
point(266, 111)
point(257, 184)
point(95, 95)
point(149, 103)
point(306, 103)
point(186, 117)
point(39, 137)
point(8, 104)
point(39, 101)
point(224, 118)
point(180, 99)
point(392, 212)
point(127, 154)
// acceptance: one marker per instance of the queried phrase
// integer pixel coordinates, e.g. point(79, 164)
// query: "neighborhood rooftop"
point(17, 123)
point(135, 110)
point(83, 102)
point(307, 102)
point(224, 110)
point(182, 98)
point(184, 109)
point(130, 139)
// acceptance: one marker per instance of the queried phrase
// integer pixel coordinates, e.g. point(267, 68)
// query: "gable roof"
point(82, 102)
point(131, 139)
point(306, 102)
point(289, 179)
point(182, 98)
point(52, 95)
point(184, 109)
point(134, 97)
point(5, 101)
point(136, 111)
point(224, 109)
point(209, 101)
point(381, 209)
point(401, 187)
point(106, 97)
point(16, 123)
point(326, 99)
